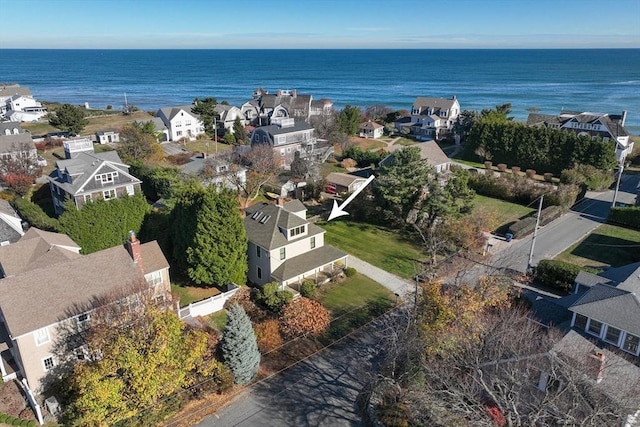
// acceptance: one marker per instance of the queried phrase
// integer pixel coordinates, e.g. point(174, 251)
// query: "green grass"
point(218, 320)
point(404, 141)
point(607, 245)
point(469, 163)
point(352, 304)
point(327, 168)
point(189, 294)
point(375, 245)
point(503, 212)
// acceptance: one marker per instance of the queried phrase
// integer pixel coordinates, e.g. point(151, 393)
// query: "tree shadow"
point(608, 250)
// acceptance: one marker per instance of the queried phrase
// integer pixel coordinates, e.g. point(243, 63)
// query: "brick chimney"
point(280, 201)
point(600, 362)
point(133, 246)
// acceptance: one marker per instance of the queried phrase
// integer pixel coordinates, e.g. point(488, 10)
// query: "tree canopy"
point(239, 132)
point(349, 119)
point(139, 143)
point(206, 109)
point(68, 118)
point(104, 223)
point(209, 239)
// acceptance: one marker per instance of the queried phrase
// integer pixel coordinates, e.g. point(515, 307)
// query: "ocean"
point(597, 80)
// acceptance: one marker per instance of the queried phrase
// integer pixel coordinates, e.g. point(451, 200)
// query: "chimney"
point(133, 246)
point(600, 361)
point(294, 93)
point(280, 201)
point(624, 118)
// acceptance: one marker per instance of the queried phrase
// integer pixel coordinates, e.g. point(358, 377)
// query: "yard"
point(607, 245)
point(376, 245)
point(503, 212)
point(109, 122)
point(354, 292)
point(189, 294)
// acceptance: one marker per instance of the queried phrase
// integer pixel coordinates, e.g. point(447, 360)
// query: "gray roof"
point(343, 179)
point(369, 125)
point(85, 166)
point(439, 103)
point(589, 279)
point(171, 112)
point(306, 262)
point(613, 306)
point(627, 277)
point(158, 124)
point(613, 122)
point(278, 130)
point(43, 296)
point(269, 234)
point(11, 143)
point(12, 126)
point(620, 378)
point(429, 150)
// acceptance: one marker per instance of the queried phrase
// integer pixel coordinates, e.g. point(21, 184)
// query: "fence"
point(207, 306)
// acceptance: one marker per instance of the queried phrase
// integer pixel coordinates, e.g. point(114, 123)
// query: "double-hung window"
point(48, 363)
point(283, 253)
point(42, 336)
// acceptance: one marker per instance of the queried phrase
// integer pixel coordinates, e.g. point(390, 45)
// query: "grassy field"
point(376, 245)
point(354, 292)
point(94, 124)
point(189, 294)
point(326, 168)
point(607, 245)
point(503, 212)
point(200, 146)
point(404, 141)
point(367, 143)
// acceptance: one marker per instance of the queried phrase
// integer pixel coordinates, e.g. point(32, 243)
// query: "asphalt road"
point(321, 391)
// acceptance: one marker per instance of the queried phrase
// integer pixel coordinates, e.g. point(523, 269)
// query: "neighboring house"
point(371, 129)
point(181, 122)
point(286, 136)
point(321, 107)
point(606, 306)
point(47, 286)
point(267, 106)
point(16, 143)
point(21, 108)
point(85, 176)
point(218, 171)
point(430, 118)
point(338, 182)
point(227, 115)
point(285, 247)
point(107, 136)
point(7, 92)
point(430, 151)
point(10, 224)
point(609, 127)
point(158, 125)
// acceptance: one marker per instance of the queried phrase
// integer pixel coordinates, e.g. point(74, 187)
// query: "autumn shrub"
point(350, 271)
point(179, 159)
point(272, 297)
point(268, 335)
point(589, 176)
point(18, 182)
point(348, 163)
point(244, 297)
point(304, 316)
point(308, 288)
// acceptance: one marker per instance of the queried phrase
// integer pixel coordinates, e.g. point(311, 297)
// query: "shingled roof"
point(611, 305)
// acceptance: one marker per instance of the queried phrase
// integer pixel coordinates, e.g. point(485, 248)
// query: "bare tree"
point(19, 168)
point(261, 166)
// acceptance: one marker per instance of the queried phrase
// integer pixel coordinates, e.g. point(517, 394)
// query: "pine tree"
point(239, 346)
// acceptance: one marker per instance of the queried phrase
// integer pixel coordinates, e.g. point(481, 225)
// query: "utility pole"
point(215, 133)
point(615, 194)
point(535, 234)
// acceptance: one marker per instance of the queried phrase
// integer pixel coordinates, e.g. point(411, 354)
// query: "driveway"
point(395, 284)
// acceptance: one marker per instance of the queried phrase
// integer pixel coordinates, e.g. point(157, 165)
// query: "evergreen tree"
point(206, 110)
point(210, 242)
point(239, 346)
point(239, 132)
point(68, 118)
point(349, 120)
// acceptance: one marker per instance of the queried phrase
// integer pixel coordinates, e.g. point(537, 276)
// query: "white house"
point(286, 248)
point(181, 122)
point(431, 118)
point(107, 136)
point(371, 129)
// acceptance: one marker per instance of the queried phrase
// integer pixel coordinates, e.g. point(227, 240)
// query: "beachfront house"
point(181, 122)
point(286, 136)
point(266, 106)
point(48, 287)
point(370, 129)
point(608, 127)
point(430, 118)
point(429, 151)
point(286, 248)
point(85, 176)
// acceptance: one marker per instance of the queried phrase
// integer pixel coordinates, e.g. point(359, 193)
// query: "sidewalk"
point(390, 281)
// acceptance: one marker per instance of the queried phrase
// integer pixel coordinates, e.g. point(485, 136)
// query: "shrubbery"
point(34, 215)
point(363, 158)
point(557, 274)
point(587, 175)
point(308, 288)
point(527, 225)
point(629, 216)
point(350, 271)
point(272, 297)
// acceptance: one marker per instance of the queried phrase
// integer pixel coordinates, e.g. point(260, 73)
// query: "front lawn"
point(503, 212)
point(607, 245)
point(379, 246)
point(404, 141)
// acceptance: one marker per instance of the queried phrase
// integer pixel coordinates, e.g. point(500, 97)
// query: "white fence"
point(207, 306)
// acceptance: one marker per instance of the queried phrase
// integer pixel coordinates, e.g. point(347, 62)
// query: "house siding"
point(294, 249)
point(264, 262)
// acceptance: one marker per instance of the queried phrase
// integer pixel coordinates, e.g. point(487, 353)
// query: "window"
point(179, 133)
point(106, 178)
point(580, 322)
point(130, 190)
point(154, 278)
point(109, 194)
point(313, 242)
point(612, 335)
point(187, 123)
point(283, 253)
point(259, 273)
point(178, 124)
point(297, 230)
point(258, 251)
point(631, 343)
point(87, 198)
point(48, 363)
point(159, 299)
point(42, 336)
point(282, 151)
point(81, 353)
point(83, 320)
point(594, 327)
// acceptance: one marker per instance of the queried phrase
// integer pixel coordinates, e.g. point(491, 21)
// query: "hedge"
point(527, 225)
point(557, 274)
point(34, 215)
point(629, 216)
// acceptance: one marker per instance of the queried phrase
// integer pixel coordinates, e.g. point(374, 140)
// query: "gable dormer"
point(296, 232)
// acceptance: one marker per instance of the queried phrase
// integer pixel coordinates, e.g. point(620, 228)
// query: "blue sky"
point(217, 24)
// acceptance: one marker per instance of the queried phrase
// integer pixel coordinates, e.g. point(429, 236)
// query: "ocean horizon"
point(547, 80)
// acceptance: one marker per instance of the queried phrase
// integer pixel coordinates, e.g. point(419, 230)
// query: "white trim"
point(44, 365)
point(39, 331)
point(606, 330)
point(602, 324)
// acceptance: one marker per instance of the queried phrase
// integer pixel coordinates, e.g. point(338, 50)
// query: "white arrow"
point(337, 211)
